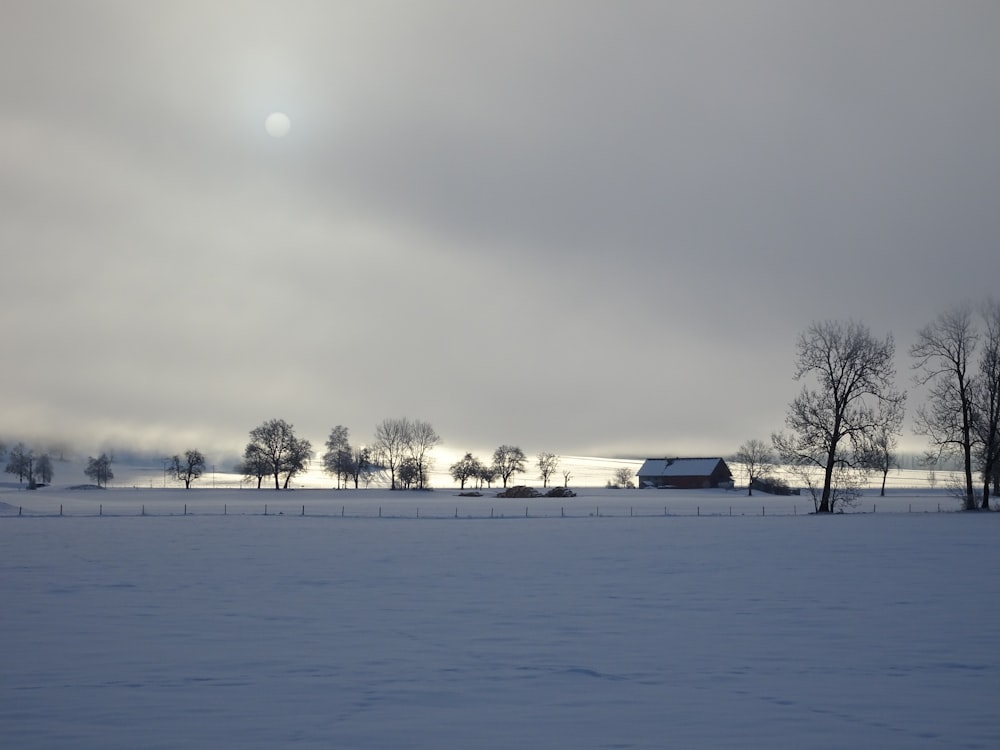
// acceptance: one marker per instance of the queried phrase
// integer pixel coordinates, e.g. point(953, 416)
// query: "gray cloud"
point(576, 226)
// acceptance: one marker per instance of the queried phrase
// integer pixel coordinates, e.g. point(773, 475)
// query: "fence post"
point(341, 511)
point(526, 511)
point(185, 509)
point(100, 509)
point(225, 509)
point(303, 510)
point(699, 510)
point(380, 511)
point(60, 510)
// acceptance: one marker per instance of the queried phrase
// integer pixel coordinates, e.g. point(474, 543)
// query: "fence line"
point(479, 513)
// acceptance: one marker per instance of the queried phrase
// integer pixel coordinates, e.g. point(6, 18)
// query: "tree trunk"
point(825, 506)
point(884, 475)
point(970, 493)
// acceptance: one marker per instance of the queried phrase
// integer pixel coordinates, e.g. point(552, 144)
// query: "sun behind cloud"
point(277, 124)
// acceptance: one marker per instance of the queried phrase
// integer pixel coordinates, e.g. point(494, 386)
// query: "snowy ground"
point(614, 627)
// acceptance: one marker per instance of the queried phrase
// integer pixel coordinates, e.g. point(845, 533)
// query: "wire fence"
point(457, 512)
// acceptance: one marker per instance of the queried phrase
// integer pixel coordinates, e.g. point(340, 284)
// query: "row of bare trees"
point(847, 418)
point(37, 468)
point(401, 450)
point(507, 461)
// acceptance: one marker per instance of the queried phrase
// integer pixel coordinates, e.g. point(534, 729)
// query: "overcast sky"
point(586, 228)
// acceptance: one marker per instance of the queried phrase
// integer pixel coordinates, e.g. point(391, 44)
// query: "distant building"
point(685, 473)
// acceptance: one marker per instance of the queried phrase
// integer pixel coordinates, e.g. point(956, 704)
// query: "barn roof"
point(678, 467)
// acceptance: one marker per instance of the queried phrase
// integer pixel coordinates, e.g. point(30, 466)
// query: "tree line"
point(843, 425)
point(400, 455)
point(846, 420)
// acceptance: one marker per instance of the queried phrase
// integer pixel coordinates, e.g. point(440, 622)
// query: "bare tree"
point(275, 445)
point(567, 475)
point(508, 460)
point(622, 478)
point(831, 422)
point(757, 459)
point(547, 465)
point(943, 353)
point(300, 455)
point(338, 459)
point(487, 474)
point(255, 464)
point(361, 465)
point(423, 440)
point(20, 462)
point(986, 402)
point(392, 440)
point(99, 469)
point(189, 468)
point(881, 444)
point(43, 469)
point(466, 468)
point(408, 472)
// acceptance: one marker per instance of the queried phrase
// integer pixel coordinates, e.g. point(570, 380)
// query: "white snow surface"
point(615, 626)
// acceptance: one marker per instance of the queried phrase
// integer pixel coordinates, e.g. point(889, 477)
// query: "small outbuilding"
point(685, 473)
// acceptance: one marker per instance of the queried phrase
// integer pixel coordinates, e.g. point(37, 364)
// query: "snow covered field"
point(612, 627)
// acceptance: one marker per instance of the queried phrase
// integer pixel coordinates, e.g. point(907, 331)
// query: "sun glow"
point(277, 124)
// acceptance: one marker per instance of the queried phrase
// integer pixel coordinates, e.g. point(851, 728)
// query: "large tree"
point(547, 465)
point(338, 461)
point(757, 458)
point(99, 469)
point(20, 462)
point(361, 465)
point(255, 464)
point(423, 440)
point(466, 468)
point(508, 460)
point(830, 422)
point(274, 443)
point(391, 446)
point(43, 469)
point(986, 402)
point(943, 358)
point(189, 467)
